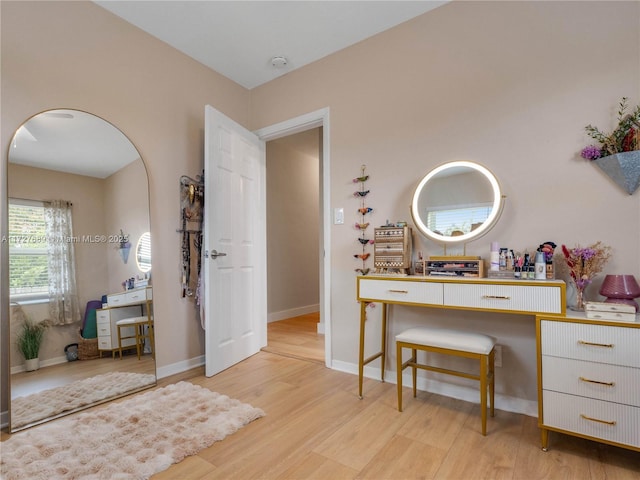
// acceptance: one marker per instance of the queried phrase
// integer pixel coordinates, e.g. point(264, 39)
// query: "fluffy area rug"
point(129, 439)
point(49, 403)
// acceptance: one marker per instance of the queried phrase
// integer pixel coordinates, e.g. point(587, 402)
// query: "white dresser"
point(589, 379)
point(132, 303)
point(462, 293)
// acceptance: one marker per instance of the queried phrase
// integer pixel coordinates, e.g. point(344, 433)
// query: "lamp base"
point(626, 301)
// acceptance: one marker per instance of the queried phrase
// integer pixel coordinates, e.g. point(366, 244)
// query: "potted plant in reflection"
point(29, 340)
point(619, 152)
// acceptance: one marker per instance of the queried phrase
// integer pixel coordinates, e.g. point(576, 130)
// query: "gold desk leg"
point(544, 439)
point(363, 316)
point(383, 346)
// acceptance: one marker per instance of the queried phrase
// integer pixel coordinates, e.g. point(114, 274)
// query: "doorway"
point(318, 121)
point(294, 245)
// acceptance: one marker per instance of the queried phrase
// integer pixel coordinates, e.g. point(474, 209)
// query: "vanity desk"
point(589, 379)
point(127, 304)
point(463, 293)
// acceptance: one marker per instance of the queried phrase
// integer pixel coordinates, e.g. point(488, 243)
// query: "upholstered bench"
point(139, 333)
point(449, 342)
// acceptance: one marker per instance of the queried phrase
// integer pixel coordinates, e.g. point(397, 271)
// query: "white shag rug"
point(78, 394)
point(130, 439)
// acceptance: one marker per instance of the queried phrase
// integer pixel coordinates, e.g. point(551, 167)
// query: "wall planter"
point(623, 168)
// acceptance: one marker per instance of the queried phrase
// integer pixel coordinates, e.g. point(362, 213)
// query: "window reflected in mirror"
point(143, 252)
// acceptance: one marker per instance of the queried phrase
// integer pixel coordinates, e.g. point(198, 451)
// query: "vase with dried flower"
point(584, 264)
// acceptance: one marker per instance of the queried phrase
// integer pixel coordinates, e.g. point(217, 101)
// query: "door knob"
point(215, 254)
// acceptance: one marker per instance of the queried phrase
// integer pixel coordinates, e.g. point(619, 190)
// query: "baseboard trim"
point(503, 402)
point(292, 312)
point(179, 367)
point(44, 363)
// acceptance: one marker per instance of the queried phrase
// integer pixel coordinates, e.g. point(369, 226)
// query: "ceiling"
point(71, 141)
point(238, 39)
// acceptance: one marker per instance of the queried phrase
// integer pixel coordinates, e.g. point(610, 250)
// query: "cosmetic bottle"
point(494, 262)
point(517, 273)
point(540, 267)
point(502, 259)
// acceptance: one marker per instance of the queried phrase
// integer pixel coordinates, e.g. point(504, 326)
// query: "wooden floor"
point(296, 337)
point(316, 427)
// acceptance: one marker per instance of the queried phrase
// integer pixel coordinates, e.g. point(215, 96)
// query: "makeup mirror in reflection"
point(75, 182)
point(456, 202)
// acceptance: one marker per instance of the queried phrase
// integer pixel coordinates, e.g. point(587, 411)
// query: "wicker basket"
point(87, 348)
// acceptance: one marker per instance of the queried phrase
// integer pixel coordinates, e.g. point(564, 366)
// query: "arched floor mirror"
point(77, 191)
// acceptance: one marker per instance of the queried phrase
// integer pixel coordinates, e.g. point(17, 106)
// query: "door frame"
point(317, 118)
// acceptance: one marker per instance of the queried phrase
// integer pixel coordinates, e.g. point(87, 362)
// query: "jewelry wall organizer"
point(363, 224)
point(191, 211)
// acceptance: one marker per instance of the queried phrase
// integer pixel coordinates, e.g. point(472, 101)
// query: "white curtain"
point(63, 295)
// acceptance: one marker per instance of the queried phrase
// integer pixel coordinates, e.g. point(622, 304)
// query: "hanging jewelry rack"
point(191, 208)
point(362, 225)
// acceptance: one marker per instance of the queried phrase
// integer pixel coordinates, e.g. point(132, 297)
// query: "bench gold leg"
point(399, 374)
point(483, 393)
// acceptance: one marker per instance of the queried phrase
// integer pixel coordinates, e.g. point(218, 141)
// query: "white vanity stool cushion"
point(449, 339)
point(131, 321)
point(139, 335)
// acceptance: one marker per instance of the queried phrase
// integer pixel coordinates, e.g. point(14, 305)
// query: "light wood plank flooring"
point(317, 428)
point(296, 337)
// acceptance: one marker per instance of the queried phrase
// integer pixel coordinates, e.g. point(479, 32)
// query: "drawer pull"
point(606, 345)
point(608, 384)
point(606, 422)
point(497, 297)
point(399, 291)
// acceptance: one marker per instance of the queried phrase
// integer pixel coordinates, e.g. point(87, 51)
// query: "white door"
point(235, 292)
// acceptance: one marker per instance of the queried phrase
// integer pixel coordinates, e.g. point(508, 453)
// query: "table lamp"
point(620, 289)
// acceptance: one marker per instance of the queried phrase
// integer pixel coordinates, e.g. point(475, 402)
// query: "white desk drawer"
point(595, 343)
point(104, 329)
point(595, 418)
point(136, 296)
point(515, 298)
point(104, 343)
point(400, 291)
point(612, 383)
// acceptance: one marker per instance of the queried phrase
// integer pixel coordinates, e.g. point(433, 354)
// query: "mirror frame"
point(496, 209)
point(5, 290)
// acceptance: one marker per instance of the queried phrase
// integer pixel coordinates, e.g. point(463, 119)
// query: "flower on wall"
point(624, 138)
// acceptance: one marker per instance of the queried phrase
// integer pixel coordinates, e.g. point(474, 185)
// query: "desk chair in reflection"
point(140, 328)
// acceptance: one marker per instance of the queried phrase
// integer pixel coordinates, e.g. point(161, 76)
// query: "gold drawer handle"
point(612, 422)
point(606, 345)
point(399, 291)
point(498, 297)
point(608, 384)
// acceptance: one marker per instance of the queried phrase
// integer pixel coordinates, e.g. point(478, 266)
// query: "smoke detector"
point(279, 61)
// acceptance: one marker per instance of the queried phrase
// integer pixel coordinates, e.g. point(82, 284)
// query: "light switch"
point(338, 216)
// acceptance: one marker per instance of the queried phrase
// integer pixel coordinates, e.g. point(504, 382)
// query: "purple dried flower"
point(591, 152)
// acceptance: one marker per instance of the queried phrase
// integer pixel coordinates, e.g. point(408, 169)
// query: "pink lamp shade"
point(620, 289)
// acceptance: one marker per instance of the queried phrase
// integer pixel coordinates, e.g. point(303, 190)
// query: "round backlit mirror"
point(456, 202)
point(143, 252)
